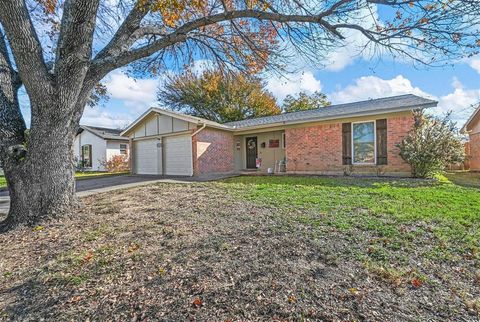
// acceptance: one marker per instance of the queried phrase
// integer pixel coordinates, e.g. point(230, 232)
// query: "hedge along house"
point(472, 128)
point(354, 138)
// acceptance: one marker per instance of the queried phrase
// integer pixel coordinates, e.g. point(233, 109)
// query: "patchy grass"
point(464, 178)
point(90, 174)
point(389, 208)
point(3, 182)
point(252, 248)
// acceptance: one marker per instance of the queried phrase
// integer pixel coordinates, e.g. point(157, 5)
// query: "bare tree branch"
point(121, 38)
point(75, 46)
point(26, 47)
point(12, 124)
point(180, 34)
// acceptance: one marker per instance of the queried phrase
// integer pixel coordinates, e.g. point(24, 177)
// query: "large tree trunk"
point(41, 181)
point(39, 169)
point(42, 184)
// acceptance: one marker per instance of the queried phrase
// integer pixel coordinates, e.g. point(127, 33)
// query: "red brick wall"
point(319, 148)
point(314, 148)
point(397, 129)
point(475, 152)
point(213, 152)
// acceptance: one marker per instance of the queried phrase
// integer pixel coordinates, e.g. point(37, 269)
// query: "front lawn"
point(253, 248)
point(93, 174)
point(464, 178)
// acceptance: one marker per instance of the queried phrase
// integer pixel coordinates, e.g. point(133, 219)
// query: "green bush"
point(431, 145)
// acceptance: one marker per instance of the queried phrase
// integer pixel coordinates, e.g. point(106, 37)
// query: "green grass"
point(3, 182)
point(400, 214)
point(89, 174)
point(464, 178)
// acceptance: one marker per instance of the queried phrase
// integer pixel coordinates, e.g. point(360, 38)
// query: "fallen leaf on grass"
point(292, 299)
point(88, 257)
point(353, 291)
point(75, 299)
point(38, 228)
point(416, 282)
point(133, 247)
point(162, 271)
point(197, 302)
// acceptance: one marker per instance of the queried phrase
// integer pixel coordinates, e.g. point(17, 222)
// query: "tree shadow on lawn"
point(155, 252)
point(466, 179)
point(245, 274)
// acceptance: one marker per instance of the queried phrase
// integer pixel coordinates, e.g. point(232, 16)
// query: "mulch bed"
point(194, 252)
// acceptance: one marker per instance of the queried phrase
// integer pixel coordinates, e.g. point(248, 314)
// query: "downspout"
point(199, 130)
point(194, 155)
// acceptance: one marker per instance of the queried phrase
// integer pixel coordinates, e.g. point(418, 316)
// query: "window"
point(123, 149)
point(283, 141)
point(87, 156)
point(363, 137)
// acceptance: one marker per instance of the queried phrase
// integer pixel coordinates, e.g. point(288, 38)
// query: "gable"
point(473, 126)
point(155, 123)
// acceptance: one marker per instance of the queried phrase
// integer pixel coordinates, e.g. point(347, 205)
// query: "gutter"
point(199, 130)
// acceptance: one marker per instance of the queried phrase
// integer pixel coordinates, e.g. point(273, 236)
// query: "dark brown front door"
point(251, 147)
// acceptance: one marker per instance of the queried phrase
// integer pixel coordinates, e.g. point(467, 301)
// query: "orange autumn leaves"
point(172, 11)
point(48, 6)
point(240, 41)
point(217, 96)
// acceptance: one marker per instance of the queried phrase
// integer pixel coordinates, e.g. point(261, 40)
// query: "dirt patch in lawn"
point(195, 252)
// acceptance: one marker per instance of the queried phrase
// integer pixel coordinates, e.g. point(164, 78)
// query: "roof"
point(103, 132)
point(363, 108)
point(470, 120)
point(369, 107)
point(184, 117)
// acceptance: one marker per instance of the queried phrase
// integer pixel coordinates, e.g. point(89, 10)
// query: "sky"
point(346, 75)
point(455, 87)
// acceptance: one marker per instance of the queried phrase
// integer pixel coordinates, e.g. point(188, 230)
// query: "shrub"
point(117, 163)
point(431, 145)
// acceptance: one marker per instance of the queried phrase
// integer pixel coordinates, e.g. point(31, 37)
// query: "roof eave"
point(185, 118)
point(464, 128)
point(86, 128)
point(337, 117)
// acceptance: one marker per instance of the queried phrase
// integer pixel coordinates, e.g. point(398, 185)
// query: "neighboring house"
point(95, 145)
point(472, 128)
point(354, 138)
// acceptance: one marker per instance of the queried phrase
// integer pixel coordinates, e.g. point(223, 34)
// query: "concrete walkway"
point(92, 186)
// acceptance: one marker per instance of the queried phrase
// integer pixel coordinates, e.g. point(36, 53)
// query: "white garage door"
point(178, 155)
point(147, 157)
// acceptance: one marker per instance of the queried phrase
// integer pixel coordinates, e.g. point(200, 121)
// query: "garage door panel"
point(147, 157)
point(178, 155)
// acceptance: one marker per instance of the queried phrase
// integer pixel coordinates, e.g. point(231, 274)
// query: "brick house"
point(354, 138)
point(472, 128)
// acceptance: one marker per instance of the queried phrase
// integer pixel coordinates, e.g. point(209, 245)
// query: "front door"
point(251, 148)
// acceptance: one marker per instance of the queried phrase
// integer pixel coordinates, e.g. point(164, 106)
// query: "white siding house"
point(95, 145)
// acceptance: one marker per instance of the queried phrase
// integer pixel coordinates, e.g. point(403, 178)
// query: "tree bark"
point(40, 169)
point(41, 178)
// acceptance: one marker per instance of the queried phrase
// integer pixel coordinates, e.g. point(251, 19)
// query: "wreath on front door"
point(251, 144)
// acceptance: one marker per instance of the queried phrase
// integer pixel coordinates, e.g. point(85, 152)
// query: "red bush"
point(117, 163)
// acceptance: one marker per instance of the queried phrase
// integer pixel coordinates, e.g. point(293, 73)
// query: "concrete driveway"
point(91, 186)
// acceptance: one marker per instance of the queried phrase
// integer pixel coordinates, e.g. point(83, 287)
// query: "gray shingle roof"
point(103, 132)
point(373, 106)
